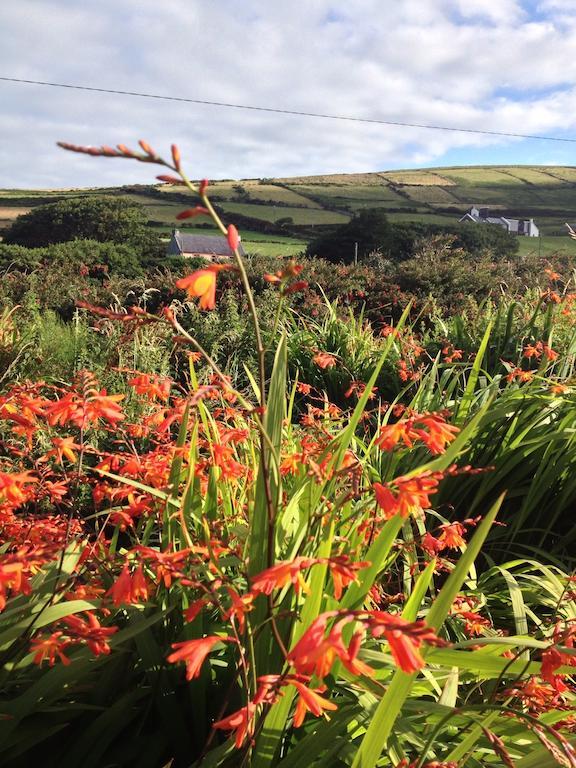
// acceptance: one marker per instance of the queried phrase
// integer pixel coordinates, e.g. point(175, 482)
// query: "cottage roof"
point(211, 244)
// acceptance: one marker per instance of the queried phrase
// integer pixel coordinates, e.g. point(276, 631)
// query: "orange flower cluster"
point(539, 350)
point(77, 631)
point(430, 429)
point(325, 360)
point(314, 655)
point(518, 374)
point(406, 495)
point(320, 646)
point(269, 689)
point(283, 276)
point(343, 571)
point(554, 657)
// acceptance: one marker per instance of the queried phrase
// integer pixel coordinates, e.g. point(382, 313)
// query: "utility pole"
point(355, 253)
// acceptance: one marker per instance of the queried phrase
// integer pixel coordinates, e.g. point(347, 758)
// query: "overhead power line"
point(297, 113)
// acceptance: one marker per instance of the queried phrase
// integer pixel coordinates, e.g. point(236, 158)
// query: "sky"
point(495, 65)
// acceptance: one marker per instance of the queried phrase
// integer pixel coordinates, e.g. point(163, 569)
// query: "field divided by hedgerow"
point(436, 195)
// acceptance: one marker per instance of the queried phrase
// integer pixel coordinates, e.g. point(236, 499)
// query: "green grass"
point(546, 245)
point(274, 247)
point(272, 213)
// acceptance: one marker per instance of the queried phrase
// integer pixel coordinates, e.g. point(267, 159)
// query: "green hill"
point(289, 211)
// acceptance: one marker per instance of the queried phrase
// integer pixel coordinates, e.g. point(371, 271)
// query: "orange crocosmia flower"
point(281, 574)
point(403, 637)
point(343, 572)
point(325, 360)
point(412, 494)
point(14, 487)
point(315, 653)
point(549, 353)
point(224, 458)
point(91, 631)
point(194, 609)
point(129, 589)
point(13, 576)
point(405, 652)
point(291, 464)
point(559, 389)
point(194, 653)
point(436, 433)
point(241, 605)
point(552, 659)
point(431, 545)
point(451, 535)
point(202, 284)
point(233, 237)
point(309, 700)
point(475, 624)
point(240, 721)
point(385, 500)
point(153, 387)
point(64, 447)
point(48, 648)
point(532, 351)
point(391, 434)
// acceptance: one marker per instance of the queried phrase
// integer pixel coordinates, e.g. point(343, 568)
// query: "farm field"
point(436, 195)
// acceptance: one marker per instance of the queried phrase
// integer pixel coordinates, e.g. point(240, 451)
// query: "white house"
point(525, 227)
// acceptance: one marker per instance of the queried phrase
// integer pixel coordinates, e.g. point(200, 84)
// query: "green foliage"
point(408, 238)
point(105, 219)
point(368, 231)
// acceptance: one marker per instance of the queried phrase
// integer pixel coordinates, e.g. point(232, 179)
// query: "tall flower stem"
point(261, 354)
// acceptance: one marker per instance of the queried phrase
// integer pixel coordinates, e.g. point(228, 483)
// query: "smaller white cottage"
point(525, 227)
point(209, 247)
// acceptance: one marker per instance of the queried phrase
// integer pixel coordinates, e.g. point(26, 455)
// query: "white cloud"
point(424, 61)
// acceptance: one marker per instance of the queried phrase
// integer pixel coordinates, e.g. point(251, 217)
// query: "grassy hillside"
point(436, 195)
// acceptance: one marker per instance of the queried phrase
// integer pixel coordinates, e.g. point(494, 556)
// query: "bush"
point(366, 232)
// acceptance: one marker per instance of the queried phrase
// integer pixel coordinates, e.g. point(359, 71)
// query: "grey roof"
point(213, 244)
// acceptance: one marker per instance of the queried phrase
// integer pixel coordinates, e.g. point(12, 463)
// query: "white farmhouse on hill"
point(525, 227)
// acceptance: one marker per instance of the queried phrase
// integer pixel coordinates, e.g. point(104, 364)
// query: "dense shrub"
point(367, 231)
point(105, 219)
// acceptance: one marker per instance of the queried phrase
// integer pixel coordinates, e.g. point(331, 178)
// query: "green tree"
point(104, 219)
point(368, 231)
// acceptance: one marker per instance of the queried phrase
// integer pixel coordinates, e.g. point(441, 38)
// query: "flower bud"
point(176, 157)
point(199, 210)
point(169, 179)
point(147, 148)
point(233, 237)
